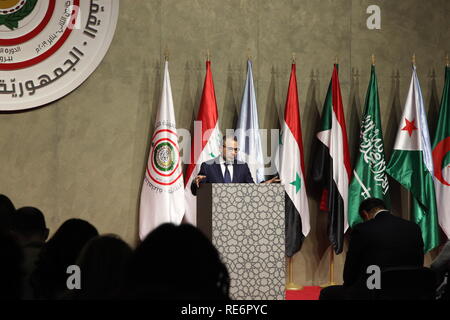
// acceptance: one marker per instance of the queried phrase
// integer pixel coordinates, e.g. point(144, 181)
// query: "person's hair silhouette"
point(177, 262)
point(102, 263)
point(49, 277)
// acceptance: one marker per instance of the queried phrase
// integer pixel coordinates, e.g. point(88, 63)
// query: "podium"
point(246, 223)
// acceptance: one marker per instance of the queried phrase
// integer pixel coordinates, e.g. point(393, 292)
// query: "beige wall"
point(84, 155)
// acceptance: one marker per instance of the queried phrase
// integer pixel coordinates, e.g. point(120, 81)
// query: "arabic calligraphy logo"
point(164, 156)
point(164, 162)
point(12, 11)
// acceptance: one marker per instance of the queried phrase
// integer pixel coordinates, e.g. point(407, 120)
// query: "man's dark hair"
point(228, 137)
point(28, 221)
point(369, 204)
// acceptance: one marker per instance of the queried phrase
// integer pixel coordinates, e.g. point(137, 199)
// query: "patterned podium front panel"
point(248, 230)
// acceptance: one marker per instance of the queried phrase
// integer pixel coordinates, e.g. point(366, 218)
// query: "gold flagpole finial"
point(336, 60)
point(294, 60)
point(414, 59)
point(373, 59)
point(249, 56)
point(208, 55)
point(447, 61)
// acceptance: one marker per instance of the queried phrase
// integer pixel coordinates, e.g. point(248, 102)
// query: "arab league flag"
point(441, 158)
point(332, 164)
point(247, 130)
point(162, 195)
point(411, 164)
point(206, 142)
point(369, 175)
point(292, 172)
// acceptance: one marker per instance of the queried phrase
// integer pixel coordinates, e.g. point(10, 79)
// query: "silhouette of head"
point(369, 207)
point(28, 225)
point(61, 251)
point(102, 263)
point(6, 213)
point(177, 262)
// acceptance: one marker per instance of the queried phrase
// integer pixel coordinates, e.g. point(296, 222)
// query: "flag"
point(369, 175)
point(332, 164)
point(247, 130)
point(441, 158)
point(292, 172)
point(206, 143)
point(162, 190)
point(411, 164)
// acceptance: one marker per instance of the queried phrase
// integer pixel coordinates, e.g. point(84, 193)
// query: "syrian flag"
point(292, 172)
point(162, 191)
point(441, 158)
point(411, 164)
point(332, 164)
point(206, 143)
point(369, 175)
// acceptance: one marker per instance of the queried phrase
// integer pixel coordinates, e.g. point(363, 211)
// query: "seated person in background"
point(102, 263)
point(11, 260)
point(176, 263)
point(50, 275)
point(383, 240)
point(6, 212)
point(225, 168)
point(30, 231)
point(441, 266)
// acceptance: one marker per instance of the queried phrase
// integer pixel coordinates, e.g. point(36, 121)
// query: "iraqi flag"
point(411, 164)
point(292, 172)
point(332, 168)
point(162, 195)
point(441, 158)
point(205, 144)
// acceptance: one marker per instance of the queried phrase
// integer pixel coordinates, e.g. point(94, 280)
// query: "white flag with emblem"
point(162, 195)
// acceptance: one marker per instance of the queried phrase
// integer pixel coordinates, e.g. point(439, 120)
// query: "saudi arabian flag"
point(369, 175)
point(411, 164)
point(441, 158)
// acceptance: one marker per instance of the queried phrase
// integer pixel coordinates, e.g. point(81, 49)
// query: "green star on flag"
point(297, 183)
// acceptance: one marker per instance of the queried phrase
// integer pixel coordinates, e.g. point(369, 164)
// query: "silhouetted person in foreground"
point(383, 240)
point(176, 263)
point(102, 264)
point(49, 278)
point(10, 268)
point(7, 210)
point(31, 232)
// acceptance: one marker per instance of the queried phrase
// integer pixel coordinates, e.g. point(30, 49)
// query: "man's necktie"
point(227, 176)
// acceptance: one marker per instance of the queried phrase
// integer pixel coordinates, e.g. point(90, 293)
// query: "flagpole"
point(291, 285)
point(330, 271)
point(373, 59)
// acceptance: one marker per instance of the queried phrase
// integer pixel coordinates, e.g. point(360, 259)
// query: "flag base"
point(293, 286)
point(329, 284)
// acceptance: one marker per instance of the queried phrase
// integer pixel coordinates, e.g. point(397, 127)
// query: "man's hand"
point(273, 180)
point(198, 179)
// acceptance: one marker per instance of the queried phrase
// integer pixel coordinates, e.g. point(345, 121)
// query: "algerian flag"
point(369, 175)
point(441, 157)
point(411, 164)
point(162, 195)
point(292, 172)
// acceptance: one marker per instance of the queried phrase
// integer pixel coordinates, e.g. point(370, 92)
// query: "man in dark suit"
point(225, 168)
point(382, 240)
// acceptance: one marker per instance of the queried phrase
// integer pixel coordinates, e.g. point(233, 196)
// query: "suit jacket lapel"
point(218, 172)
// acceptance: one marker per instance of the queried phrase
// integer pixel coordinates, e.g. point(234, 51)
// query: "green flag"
point(369, 175)
point(411, 164)
point(441, 158)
